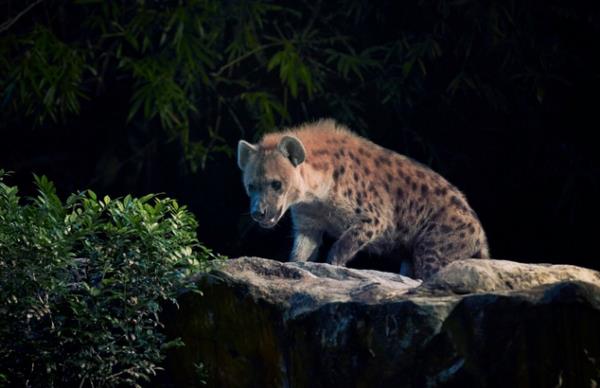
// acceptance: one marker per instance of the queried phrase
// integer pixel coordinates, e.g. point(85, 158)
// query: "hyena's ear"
point(292, 149)
point(245, 150)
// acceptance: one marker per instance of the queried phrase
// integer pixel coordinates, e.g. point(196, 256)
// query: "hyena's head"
point(271, 178)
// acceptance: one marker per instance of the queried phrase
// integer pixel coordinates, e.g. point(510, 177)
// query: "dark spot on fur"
point(424, 189)
point(420, 174)
point(320, 152)
point(357, 161)
point(440, 191)
point(338, 172)
point(438, 214)
point(460, 226)
point(449, 246)
point(455, 201)
point(367, 171)
point(355, 176)
point(385, 160)
point(369, 234)
point(462, 235)
point(413, 185)
point(445, 228)
point(386, 186)
point(366, 220)
point(388, 176)
point(370, 207)
point(430, 260)
point(376, 221)
point(364, 152)
point(397, 209)
point(357, 210)
point(471, 229)
point(342, 152)
point(399, 192)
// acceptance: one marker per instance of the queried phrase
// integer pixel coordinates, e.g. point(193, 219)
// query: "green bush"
point(82, 284)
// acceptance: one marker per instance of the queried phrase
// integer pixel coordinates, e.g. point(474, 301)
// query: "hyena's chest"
point(335, 218)
point(326, 216)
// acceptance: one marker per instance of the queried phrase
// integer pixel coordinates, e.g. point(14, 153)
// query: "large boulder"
point(478, 323)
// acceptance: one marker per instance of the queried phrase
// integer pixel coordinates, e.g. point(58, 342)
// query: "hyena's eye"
point(276, 185)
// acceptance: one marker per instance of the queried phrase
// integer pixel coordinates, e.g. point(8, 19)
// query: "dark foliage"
point(83, 283)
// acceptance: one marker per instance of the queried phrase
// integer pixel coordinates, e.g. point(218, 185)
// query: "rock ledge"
point(476, 323)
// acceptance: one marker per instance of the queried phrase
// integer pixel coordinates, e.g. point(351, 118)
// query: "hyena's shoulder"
point(326, 143)
point(315, 136)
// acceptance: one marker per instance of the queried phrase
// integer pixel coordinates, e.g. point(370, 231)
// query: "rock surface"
point(478, 323)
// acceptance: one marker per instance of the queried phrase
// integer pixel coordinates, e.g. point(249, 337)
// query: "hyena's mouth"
point(272, 221)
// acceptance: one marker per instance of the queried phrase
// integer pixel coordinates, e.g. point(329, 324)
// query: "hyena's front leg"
point(349, 243)
point(306, 245)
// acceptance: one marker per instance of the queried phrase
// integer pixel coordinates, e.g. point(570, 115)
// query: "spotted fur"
point(365, 196)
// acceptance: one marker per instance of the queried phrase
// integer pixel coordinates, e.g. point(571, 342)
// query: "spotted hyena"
point(365, 196)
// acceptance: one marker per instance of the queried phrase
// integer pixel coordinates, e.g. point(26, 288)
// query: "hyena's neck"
point(316, 183)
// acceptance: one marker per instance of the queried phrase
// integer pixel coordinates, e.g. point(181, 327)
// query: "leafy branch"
point(9, 23)
point(195, 67)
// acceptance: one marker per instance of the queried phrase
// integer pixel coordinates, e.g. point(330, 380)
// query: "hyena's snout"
point(266, 215)
point(258, 212)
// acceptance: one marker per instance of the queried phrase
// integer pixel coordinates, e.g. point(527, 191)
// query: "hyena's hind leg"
point(433, 252)
point(427, 260)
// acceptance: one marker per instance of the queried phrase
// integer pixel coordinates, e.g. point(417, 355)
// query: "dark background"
point(517, 135)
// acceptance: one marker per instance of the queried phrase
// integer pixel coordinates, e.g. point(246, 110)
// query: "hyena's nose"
point(258, 214)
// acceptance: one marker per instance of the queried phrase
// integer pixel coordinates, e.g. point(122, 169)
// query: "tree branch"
point(242, 57)
point(9, 23)
point(315, 14)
